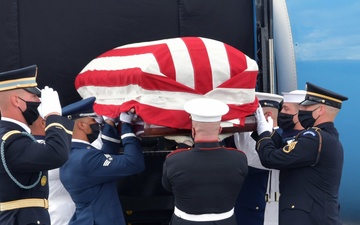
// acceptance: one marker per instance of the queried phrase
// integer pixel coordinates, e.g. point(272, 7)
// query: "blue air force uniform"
point(310, 168)
point(90, 175)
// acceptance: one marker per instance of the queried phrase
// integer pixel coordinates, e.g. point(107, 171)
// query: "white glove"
point(126, 117)
point(181, 139)
point(262, 124)
point(99, 119)
point(50, 102)
point(138, 126)
point(108, 118)
point(270, 122)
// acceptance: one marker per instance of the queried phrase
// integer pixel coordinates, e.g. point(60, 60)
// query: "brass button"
point(292, 206)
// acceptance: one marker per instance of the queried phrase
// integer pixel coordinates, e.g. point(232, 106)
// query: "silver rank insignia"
point(108, 160)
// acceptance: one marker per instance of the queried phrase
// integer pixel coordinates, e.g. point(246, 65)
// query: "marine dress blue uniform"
point(90, 176)
point(205, 179)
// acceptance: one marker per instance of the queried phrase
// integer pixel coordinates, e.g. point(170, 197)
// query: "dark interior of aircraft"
point(61, 37)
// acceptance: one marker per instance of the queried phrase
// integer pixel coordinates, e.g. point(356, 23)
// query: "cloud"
point(325, 29)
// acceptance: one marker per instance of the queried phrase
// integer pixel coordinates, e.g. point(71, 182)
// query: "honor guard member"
point(205, 180)
point(90, 174)
point(259, 194)
point(311, 165)
point(288, 119)
point(24, 162)
point(61, 206)
point(289, 127)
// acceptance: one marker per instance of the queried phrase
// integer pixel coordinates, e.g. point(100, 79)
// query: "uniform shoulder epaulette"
point(12, 132)
point(314, 128)
point(9, 133)
point(58, 126)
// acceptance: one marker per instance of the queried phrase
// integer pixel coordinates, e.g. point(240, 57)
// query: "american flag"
point(158, 77)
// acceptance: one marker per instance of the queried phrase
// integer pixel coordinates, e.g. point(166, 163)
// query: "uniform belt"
point(24, 203)
point(203, 217)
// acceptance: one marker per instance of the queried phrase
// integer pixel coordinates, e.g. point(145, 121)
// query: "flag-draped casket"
point(158, 77)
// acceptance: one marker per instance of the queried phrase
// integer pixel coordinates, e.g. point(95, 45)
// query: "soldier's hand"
point(138, 125)
point(270, 121)
point(127, 117)
point(50, 103)
point(262, 124)
point(99, 119)
point(109, 120)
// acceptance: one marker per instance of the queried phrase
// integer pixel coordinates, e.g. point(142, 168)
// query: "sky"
point(325, 30)
point(326, 36)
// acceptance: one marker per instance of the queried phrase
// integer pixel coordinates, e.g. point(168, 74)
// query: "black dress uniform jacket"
point(310, 174)
point(205, 179)
point(27, 160)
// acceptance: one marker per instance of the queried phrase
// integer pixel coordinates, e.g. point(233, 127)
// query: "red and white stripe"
point(158, 77)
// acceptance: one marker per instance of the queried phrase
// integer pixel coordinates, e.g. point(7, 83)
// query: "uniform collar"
point(325, 125)
point(23, 125)
point(77, 143)
point(207, 145)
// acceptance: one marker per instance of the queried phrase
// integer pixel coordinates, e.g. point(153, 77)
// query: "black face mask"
point(306, 119)
point(31, 113)
point(285, 121)
point(95, 128)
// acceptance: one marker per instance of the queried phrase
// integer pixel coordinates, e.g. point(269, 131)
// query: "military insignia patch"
point(309, 132)
point(108, 160)
point(289, 147)
point(43, 180)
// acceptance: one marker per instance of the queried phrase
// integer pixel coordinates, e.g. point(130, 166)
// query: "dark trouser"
point(25, 216)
